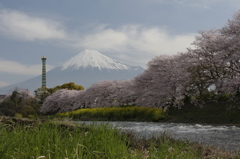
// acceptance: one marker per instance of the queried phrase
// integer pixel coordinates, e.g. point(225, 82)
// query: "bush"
point(69, 86)
point(7, 112)
point(18, 115)
point(117, 113)
point(31, 116)
point(25, 106)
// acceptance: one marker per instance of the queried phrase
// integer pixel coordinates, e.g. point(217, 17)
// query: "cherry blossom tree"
point(231, 84)
point(79, 99)
point(101, 94)
point(164, 83)
point(109, 93)
point(209, 65)
point(23, 94)
point(122, 93)
point(62, 100)
point(218, 53)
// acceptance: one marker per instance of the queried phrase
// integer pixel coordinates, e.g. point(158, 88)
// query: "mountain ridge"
point(92, 58)
point(81, 74)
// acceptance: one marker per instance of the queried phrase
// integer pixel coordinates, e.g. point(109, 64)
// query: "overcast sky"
point(131, 31)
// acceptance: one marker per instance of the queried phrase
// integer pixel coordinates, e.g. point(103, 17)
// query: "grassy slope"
point(58, 140)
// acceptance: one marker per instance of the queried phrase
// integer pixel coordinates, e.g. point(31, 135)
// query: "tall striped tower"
point(44, 71)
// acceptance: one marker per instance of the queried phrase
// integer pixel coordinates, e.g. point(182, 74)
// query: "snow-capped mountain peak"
point(93, 59)
point(86, 68)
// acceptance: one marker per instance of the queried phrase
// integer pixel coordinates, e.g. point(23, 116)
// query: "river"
point(227, 137)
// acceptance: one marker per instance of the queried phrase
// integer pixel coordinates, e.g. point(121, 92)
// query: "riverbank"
point(24, 138)
point(210, 113)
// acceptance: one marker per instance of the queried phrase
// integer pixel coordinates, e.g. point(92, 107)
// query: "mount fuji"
point(85, 68)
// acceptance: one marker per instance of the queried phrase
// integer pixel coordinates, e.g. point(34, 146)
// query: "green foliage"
point(42, 93)
point(117, 113)
point(69, 86)
point(31, 116)
point(7, 112)
point(224, 97)
point(14, 95)
point(13, 106)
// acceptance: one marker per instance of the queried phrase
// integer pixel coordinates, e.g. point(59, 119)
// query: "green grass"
point(117, 113)
point(55, 142)
point(60, 141)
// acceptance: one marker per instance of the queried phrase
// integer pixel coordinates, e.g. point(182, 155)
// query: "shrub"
point(117, 113)
point(18, 115)
point(31, 116)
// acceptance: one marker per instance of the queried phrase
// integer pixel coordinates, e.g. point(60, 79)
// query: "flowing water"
point(227, 137)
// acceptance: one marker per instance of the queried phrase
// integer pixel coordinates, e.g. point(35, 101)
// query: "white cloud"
point(133, 44)
point(108, 39)
point(21, 69)
point(136, 42)
point(24, 27)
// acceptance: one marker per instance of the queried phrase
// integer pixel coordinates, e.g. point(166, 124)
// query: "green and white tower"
point(44, 71)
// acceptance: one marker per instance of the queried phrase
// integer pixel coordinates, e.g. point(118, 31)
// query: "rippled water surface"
point(222, 136)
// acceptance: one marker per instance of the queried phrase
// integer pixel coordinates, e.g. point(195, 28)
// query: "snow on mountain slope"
point(94, 59)
point(86, 68)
